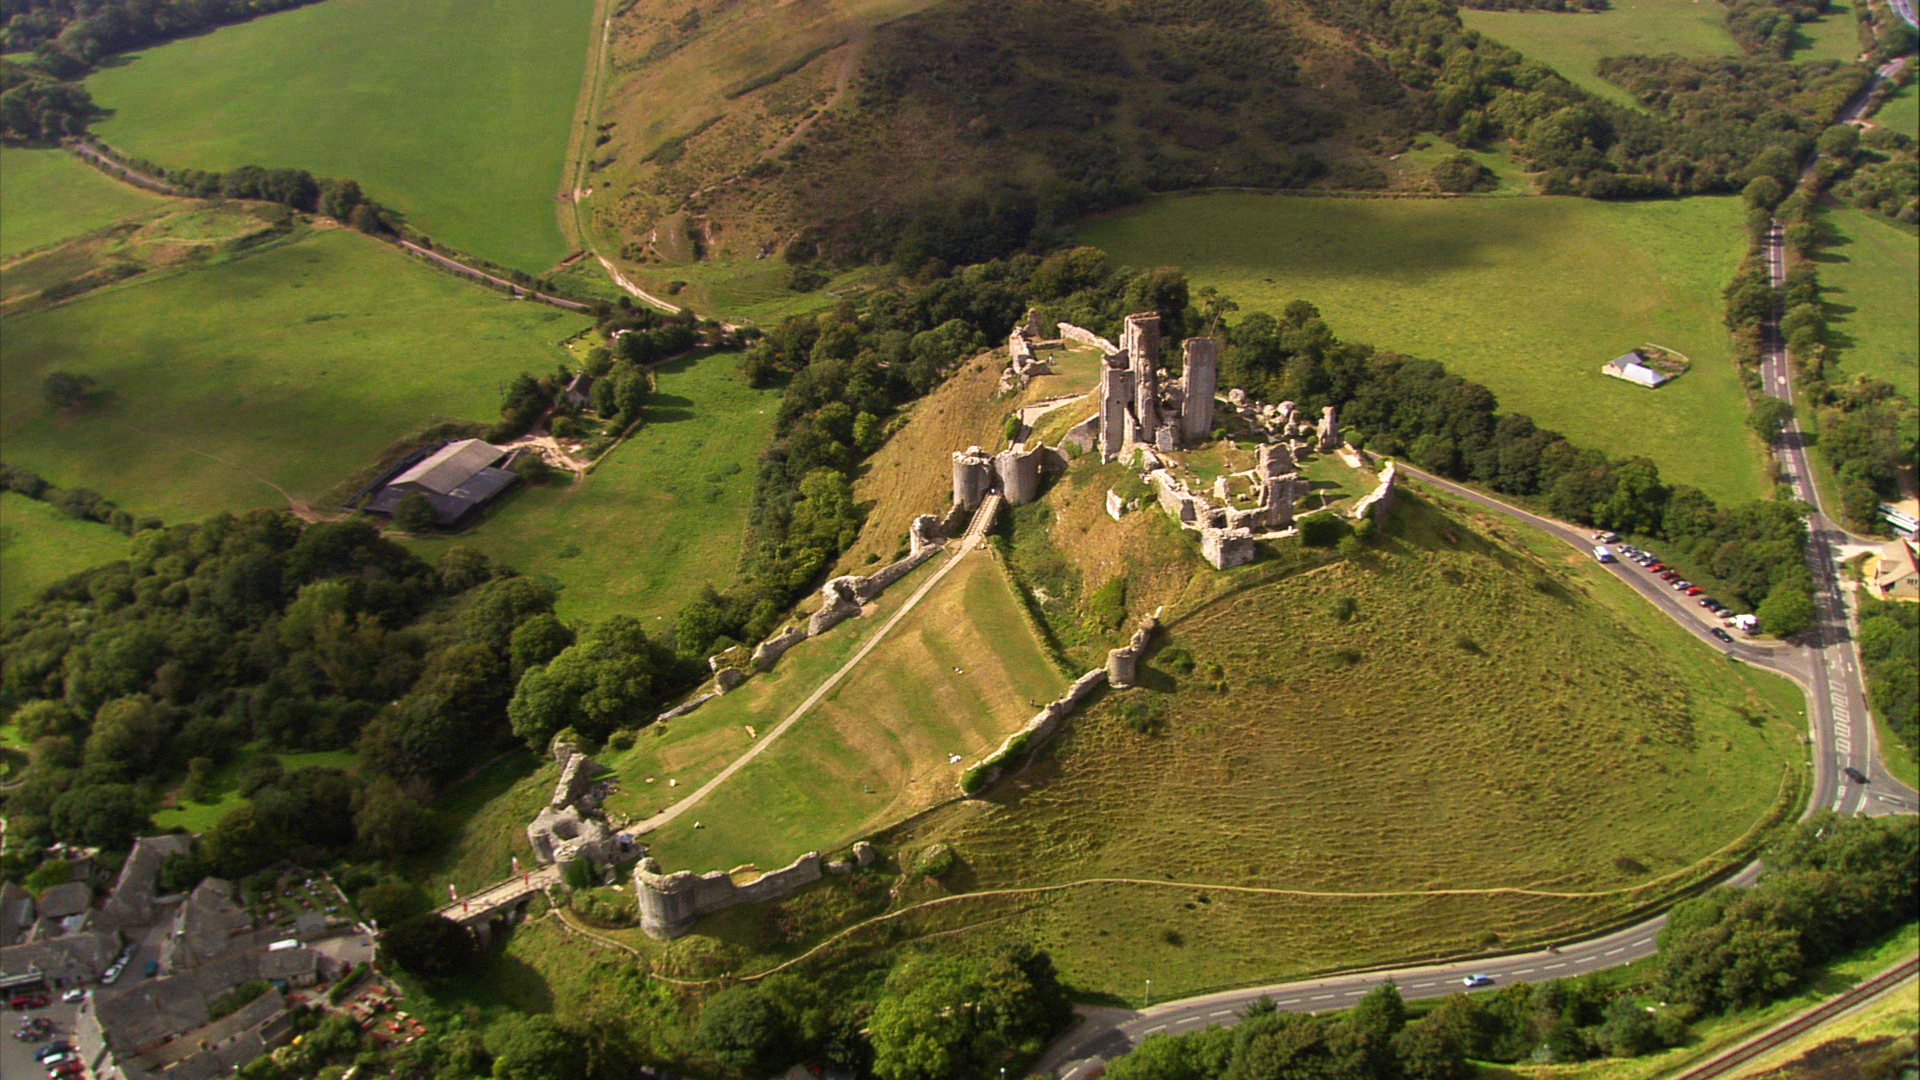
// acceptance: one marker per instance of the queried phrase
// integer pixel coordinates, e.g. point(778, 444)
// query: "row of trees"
point(83, 504)
point(1889, 641)
point(1770, 27)
point(36, 107)
point(86, 31)
point(1834, 883)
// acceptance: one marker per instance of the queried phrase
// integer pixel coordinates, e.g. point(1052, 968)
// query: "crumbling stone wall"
point(1123, 664)
point(768, 652)
point(1380, 503)
point(1226, 548)
point(1083, 336)
point(1037, 730)
point(671, 903)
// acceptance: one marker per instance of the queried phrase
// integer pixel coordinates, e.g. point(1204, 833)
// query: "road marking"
point(1222, 1012)
point(1156, 1030)
point(1523, 971)
point(1322, 997)
point(1551, 967)
point(1613, 952)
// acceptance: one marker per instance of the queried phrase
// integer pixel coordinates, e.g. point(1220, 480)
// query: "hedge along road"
point(1105, 1033)
point(982, 520)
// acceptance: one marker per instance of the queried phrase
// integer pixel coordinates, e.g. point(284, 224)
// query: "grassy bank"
point(1528, 296)
point(454, 113)
point(48, 195)
point(39, 545)
point(661, 517)
point(264, 378)
point(959, 673)
point(1870, 279)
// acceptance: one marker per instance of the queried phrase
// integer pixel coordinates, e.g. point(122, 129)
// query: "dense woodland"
point(88, 30)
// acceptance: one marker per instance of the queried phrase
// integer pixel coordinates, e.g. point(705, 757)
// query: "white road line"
point(1613, 952)
point(1222, 1012)
point(1156, 1030)
point(1551, 967)
point(1322, 997)
point(1523, 971)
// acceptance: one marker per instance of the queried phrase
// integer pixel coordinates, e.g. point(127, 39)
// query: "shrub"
point(1344, 607)
point(1322, 530)
point(934, 860)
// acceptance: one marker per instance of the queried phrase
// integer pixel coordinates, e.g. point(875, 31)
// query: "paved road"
point(1904, 8)
point(1834, 676)
point(459, 267)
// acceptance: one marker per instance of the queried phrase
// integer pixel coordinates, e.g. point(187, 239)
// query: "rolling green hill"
point(453, 112)
point(48, 195)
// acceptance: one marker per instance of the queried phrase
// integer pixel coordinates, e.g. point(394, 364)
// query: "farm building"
point(456, 479)
point(1634, 368)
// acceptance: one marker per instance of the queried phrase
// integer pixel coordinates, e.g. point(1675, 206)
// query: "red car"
point(1695, 590)
point(23, 1002)
point(68, 1069)
point(1657, 567)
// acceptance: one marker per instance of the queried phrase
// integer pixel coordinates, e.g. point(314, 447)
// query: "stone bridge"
point(500, 904)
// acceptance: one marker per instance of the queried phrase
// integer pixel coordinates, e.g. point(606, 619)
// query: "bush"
point(1322, 530)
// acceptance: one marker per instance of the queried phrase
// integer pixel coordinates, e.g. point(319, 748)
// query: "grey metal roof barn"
point(454, 479)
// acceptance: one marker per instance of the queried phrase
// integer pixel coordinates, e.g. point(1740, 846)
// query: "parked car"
point(73, 995)
point(51, 1060)
point(152, 968)
point(1694, 590)
point(23, 1002)
point(1657, 566)
point(1477, 980)
point(112, 975)
point(1606, 537)
point(47, 1051)
point(1855, 775)
point(1721, 634)
point(67, 1069)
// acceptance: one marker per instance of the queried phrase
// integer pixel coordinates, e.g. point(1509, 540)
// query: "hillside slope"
point(757, 126)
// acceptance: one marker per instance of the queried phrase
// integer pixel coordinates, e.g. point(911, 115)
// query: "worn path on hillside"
point(982, 519)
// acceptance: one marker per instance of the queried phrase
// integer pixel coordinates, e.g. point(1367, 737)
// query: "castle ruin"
point(671, 903)
point(1138, 407)
point(571, 827)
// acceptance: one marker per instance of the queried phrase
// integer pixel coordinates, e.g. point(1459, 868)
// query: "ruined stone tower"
point(972, 477)
point(1329, 431)
point(1201, 378)
point(1116, 395)
point(1019, 472)
point(1140, 340)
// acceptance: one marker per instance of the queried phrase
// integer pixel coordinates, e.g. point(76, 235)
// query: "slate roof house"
point(1634, 368)
point(456, 479)
point(1898, 575)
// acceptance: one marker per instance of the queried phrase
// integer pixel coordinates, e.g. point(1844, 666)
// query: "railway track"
point(1724, 1063)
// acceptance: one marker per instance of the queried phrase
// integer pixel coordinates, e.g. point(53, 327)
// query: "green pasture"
point(1870, 281)
point(958, 675)
point(1528, 296)
point(660, 518)
point(1901, 111)
point(1573, 43)
point(1511, 751)
point(747, 290)
point(263, 379)
point(39, 545)
point(48, 195)
point(1833, 36)
point(454, 112)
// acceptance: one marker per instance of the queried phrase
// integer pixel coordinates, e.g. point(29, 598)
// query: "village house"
point(1634, 368)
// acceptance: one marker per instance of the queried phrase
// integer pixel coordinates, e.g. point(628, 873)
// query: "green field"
point(1528, 296)
point(1574, 43)
point(660, 518)
point(961, 672)
point(1833, 36)
point(48, 195)
point(1870, 280)
point(39, 545)
point(454, 112)
point(263, 379)
point(1466, 728)
point(1902, 111)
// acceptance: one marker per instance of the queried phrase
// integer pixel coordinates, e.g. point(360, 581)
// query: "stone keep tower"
point(972, 477)
point(1116, 394)
point(1201, 378)
point(1140, 340)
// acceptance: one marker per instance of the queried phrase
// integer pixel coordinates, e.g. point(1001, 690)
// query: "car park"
point(1855, 775)
point(1721, 634)
point(1477, 980)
